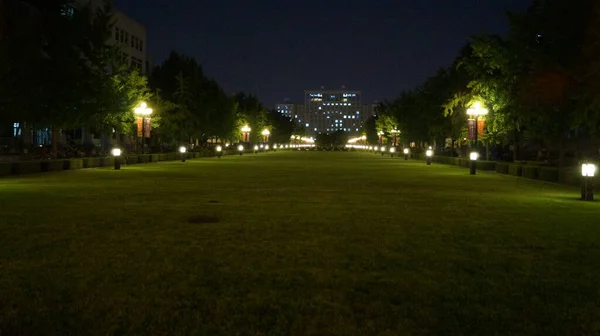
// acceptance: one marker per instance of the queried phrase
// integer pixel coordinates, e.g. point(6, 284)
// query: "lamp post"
point(375, 149)
point(267, 148)
point(255, 149)
point(219, 151)
point(265, 133)
point(382, 150)
point(474, 156)
point(588, 172)
point(143, 122)
point(116, 152)
point(380, 133)
point(395, 133)
point(241, 149)
point(406, 152)
point(246, 133)
point(392, 151)
point(428, 155)
point(474, 112)
point(183, 151)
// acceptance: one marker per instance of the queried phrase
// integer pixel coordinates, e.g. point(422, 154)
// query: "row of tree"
point(540, 83)
point(59, 70)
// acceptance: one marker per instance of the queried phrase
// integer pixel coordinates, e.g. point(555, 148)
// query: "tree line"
point(540, 83)
point(58, 70)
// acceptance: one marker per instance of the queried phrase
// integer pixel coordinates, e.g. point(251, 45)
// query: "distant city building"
point(327, 111)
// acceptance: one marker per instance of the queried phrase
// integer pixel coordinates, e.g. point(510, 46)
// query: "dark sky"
point(277, 49)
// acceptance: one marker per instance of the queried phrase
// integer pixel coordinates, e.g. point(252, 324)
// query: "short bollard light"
point(262, 146)
point(255, 149)
point(375, 149)
point(219, 151)
point(428, 155)
point(588, 172)
point(473, 156)
point(392, 151)
point(406, 152)
point(241, 149)
point(183, 151)
point(267, 148)
point(383, 150)
point(116, 153)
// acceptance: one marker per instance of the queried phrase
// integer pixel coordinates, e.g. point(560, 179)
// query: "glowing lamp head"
point(255, 147)
point(383, 149)
point(219, 148)
point(116, 151)
point(429, 153)
point(182, 149)
point(266, 132)
point(406, 150)
point(262, 146)
point(474, 156)
point(246, 129)
point(588, 170)
point(241, 148)
point(392, 150)
point(267, 147)
point(376, 148)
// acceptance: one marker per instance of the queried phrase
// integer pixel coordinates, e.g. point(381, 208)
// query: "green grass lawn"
point(306, 243)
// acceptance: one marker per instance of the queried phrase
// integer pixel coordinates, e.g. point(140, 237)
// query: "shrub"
point(486, 165)
point(91, 162)
point(52, 165)
point(530, 172)
point(514, 169)
point(71, 164)
point(548, 174)
point(26, 167)
point(107, 161)
point(501, 168)
point(5, 168)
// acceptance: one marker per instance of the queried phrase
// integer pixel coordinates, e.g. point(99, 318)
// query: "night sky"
point(277, 49)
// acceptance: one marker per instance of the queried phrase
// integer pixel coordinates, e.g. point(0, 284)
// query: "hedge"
point(52, 165)
point(486, 165)
point(145, 158)
point(501, 168)
point(71, 164)
point(91, 162)
point(514, 169)
point(107, 161)
point(548, 174)
point(530, 172)
point(154, 157)
point(26, 167)
point(5, 168)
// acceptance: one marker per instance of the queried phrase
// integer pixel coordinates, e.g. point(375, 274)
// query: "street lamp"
point(219, 150)
point(406, 152)
point(392, 151)
point(255, 149)
point(142, 113)
point(382, 150)
point(474, 112)
point(246, 133)
point(265, 133)
point(429, 154)
point(474, 156)
point(395, 133)
point(380, 133)
point(116, 152)
point(241, 149)
point(588, 171)
point(267, 148)
point(183, 151)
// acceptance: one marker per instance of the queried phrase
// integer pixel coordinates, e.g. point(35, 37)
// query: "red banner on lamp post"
point(140, 126)
point(147, 128)
point(471, 126)
point(480, 124)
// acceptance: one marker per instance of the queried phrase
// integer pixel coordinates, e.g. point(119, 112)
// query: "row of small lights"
point(588, 170)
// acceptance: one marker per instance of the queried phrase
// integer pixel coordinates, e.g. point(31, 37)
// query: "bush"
point(5, 168)
point(71, 164)
point(26, 167)
point(91, 162)
point(530, 172)
point(486, 165)
point(501, 168)
point(548, 174)
point(107, 161)
point(514, 169)
point(52, 165)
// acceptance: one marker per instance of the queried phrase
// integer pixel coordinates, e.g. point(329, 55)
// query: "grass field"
point(296, 243)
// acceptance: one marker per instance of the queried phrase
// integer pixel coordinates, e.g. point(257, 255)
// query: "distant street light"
point(406, 152)
point(183, 151)
point(588, 172)
point(116, 152)
point(246, 133)
point(142, 113)
point(429, 154)
point(265, 133)
point(474, 112)
point(474, 156)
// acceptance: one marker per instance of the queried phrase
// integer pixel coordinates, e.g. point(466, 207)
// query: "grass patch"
point(327, 243)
